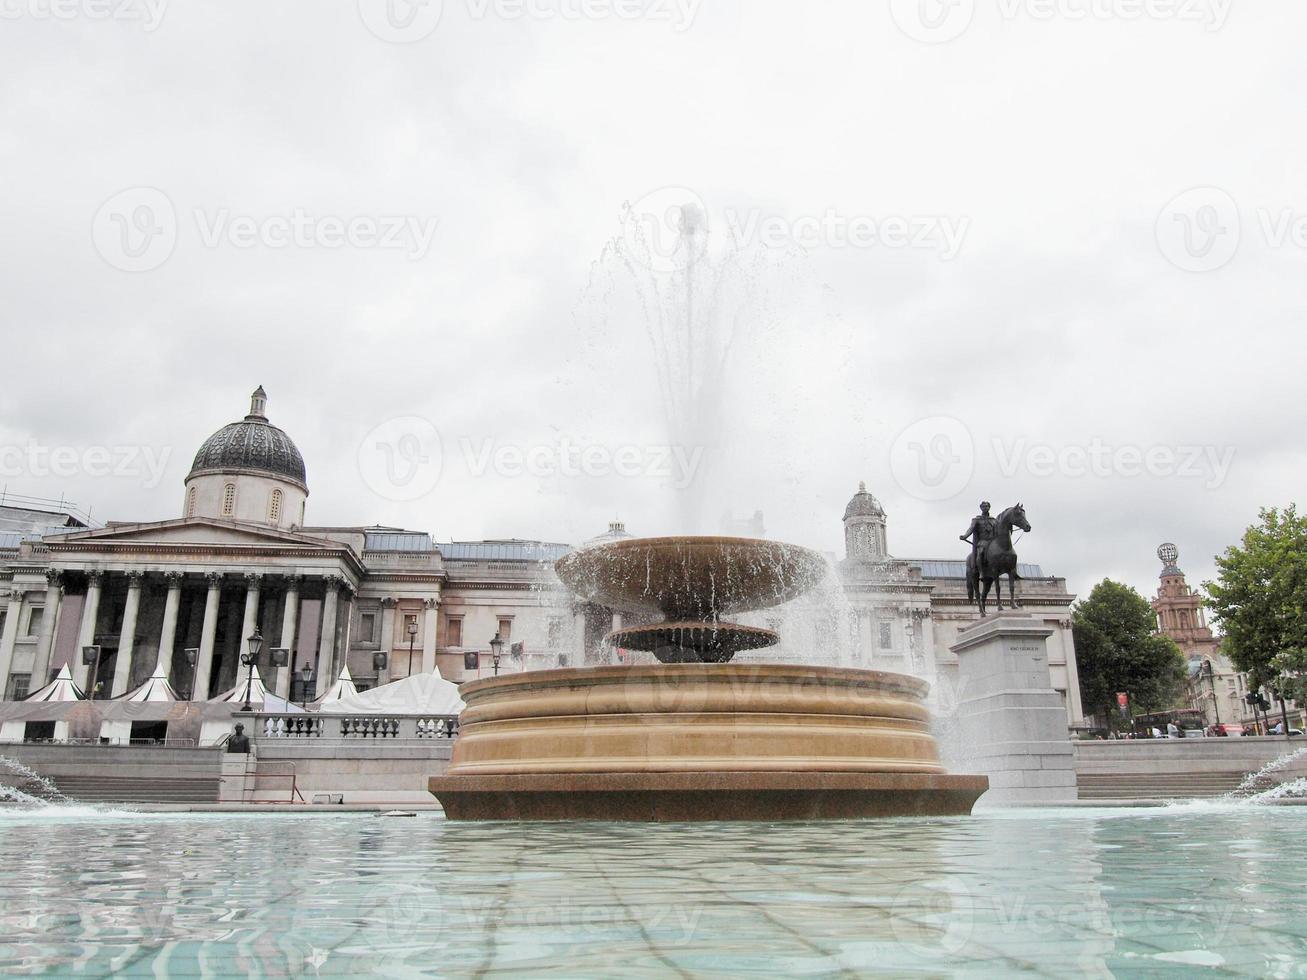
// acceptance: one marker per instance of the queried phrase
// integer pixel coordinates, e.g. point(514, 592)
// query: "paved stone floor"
point(1143, 892)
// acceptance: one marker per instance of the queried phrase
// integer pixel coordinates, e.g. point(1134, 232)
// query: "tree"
point(1259, 599)
point(1119, 649)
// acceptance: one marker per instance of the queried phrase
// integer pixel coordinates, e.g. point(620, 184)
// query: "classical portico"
point(186, 594)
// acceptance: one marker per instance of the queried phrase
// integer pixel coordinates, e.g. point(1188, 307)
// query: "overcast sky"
point(1048, 252)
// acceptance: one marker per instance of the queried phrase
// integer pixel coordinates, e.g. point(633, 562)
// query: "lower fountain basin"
point(698, 742)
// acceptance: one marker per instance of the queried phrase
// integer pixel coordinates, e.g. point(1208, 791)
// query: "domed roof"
point(863, 504)
point(616, 531)
point(253, 443)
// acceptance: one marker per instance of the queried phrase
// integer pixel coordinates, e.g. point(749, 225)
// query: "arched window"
point(229, 500)
point(274, 507)
point(190, 502)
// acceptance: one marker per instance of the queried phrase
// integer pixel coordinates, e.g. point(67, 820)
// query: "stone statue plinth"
point(1010, 719)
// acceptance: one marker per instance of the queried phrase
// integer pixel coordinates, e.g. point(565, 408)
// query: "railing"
point(261, 771)
point(268, 725)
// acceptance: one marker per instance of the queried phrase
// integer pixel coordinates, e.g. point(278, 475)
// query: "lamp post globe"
point(255, 643)
point(496, 651)
point(306, 673)
point(412, 630)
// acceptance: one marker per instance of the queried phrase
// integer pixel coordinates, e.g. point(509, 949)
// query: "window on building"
point(19, 687)
point(555, 632)
point(229, 500)
point(190, 502)
point(274, 507)
point(367, 627)
point(454, 631)
point(505, 629)
point(886, 636)
point(34, 617)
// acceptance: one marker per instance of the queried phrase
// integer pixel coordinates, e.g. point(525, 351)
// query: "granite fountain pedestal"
point(695, 738)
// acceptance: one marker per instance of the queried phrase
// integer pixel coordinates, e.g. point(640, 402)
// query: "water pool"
point(1169, 891)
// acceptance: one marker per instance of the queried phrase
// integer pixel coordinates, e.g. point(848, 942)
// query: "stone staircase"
point(1162, 786)
point(138, 789)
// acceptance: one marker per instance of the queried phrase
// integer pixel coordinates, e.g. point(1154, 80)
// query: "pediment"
point(200, 531)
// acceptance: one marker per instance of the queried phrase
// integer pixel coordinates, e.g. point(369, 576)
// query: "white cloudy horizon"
point(1047, 252)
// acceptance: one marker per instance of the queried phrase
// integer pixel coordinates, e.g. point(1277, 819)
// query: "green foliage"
point(1118, 649)
point(1259, 598)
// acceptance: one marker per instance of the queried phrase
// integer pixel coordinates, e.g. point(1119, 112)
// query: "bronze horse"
point(997, 559)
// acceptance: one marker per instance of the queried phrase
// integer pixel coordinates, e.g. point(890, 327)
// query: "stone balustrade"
point(268, 725)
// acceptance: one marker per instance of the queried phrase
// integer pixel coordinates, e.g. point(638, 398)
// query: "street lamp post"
point(496, 651)
point(307, 674)
point(255, 642)
point(412, 630)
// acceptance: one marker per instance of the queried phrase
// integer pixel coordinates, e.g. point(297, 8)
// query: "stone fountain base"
point(698, 742)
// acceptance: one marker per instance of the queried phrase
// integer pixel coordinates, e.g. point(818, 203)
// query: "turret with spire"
point(864, 528)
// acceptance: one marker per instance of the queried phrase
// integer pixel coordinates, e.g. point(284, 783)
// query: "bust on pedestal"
point(1010, 718)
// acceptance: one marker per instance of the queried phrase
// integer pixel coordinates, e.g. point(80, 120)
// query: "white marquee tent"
point(421, 694)
point(343, 688)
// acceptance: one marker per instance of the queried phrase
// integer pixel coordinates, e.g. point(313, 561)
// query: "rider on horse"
point(981, 532)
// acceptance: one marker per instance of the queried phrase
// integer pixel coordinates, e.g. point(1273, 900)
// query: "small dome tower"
point(864, 528)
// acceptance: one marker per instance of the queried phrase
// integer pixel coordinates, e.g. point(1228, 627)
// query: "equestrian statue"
point(992, 554)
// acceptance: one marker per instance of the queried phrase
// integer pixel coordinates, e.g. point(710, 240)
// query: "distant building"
point(908, 611)
point(1213, 685)
point(186, 593)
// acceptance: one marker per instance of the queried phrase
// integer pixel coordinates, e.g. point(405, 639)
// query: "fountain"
point(695, 738)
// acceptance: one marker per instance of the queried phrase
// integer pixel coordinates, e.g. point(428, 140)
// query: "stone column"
point(9, 637)
point(387, 636)
point(253, 587)
point(168, 637)
point(430, 607)
point(86, 629)
point(122, 668)
point(54, 593)
point(209, 629)
point(327, 638)
point(1011, 723)
point(289, 620)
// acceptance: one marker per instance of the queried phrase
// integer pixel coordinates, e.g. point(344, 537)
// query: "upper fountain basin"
point(691, 577)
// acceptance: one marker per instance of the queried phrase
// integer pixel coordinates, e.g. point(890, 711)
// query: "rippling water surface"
point(1064, 892)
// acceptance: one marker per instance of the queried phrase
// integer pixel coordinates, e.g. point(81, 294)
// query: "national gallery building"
point(181, 596)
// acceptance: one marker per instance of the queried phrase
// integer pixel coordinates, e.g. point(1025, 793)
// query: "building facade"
point(183, 595)
point(1213, 685)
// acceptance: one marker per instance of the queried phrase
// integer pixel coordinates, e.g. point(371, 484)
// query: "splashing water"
point(1253, 780)
point(32, 779)
point(12, 794)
